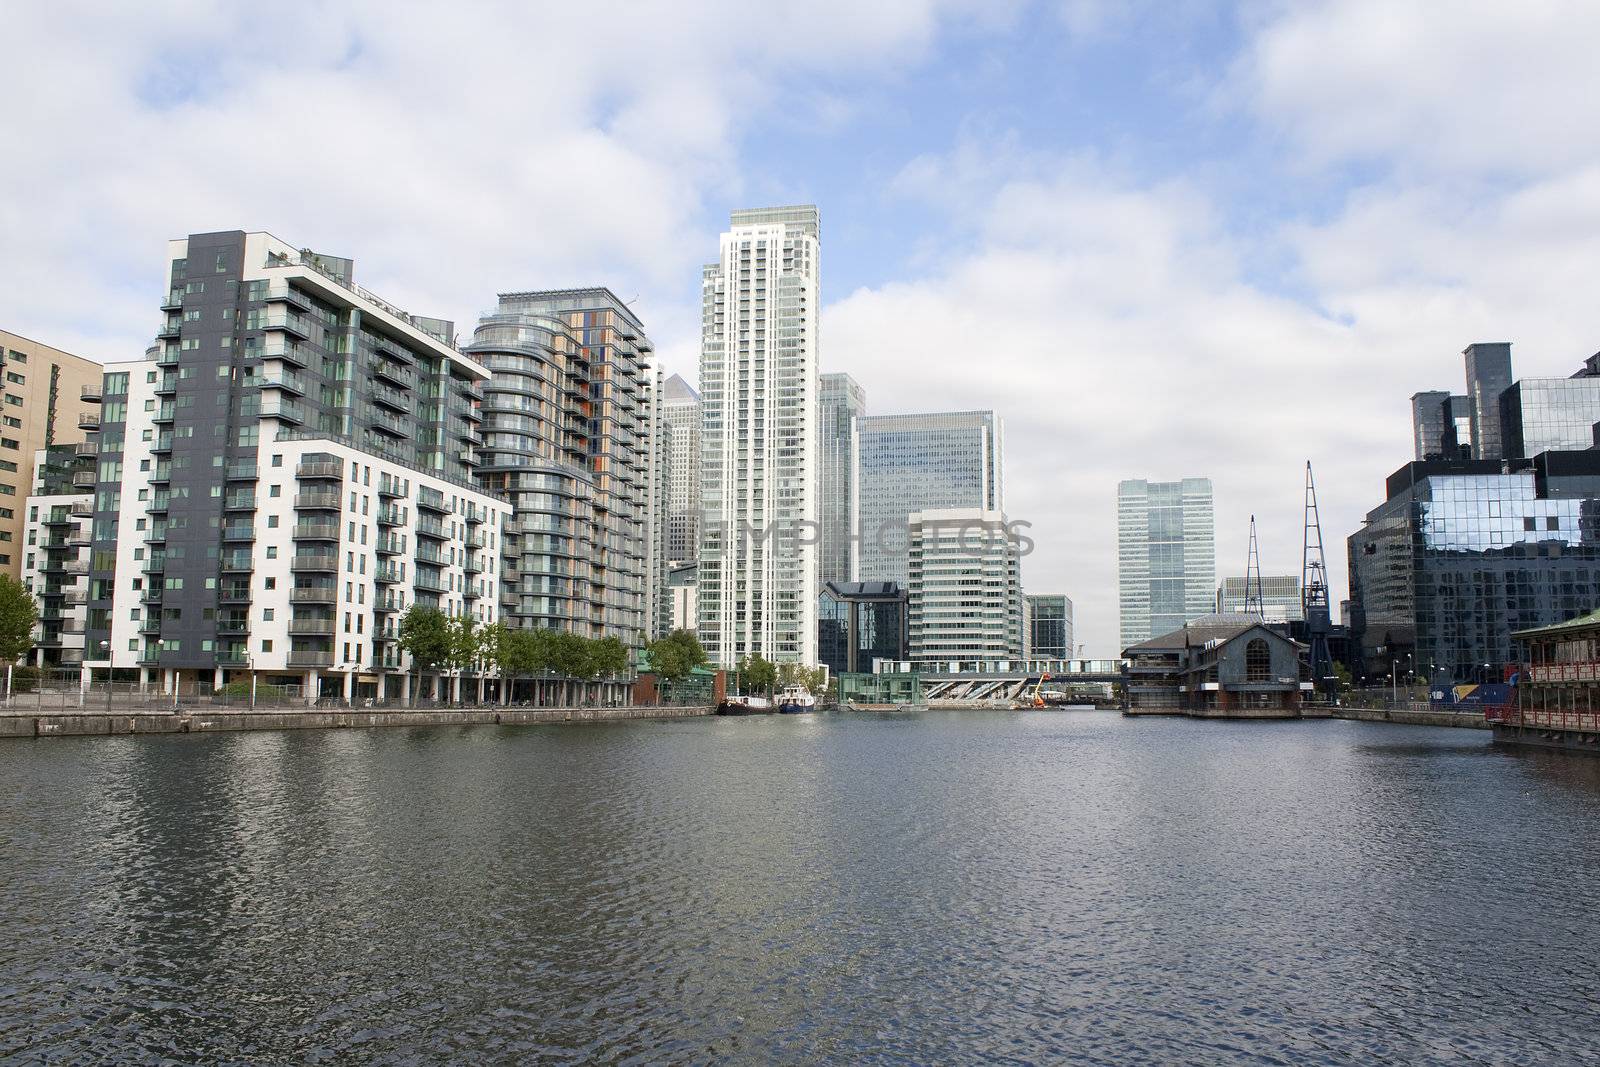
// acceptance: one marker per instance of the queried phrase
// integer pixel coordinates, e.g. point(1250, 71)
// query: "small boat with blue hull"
point(796, 700)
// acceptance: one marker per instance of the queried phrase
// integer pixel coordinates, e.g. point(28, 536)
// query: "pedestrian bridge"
point(1013, 684)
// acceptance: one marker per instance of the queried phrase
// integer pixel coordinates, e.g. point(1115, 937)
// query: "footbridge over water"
point(1012, 685)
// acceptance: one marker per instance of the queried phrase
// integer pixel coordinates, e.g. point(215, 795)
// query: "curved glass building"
point(566, 421)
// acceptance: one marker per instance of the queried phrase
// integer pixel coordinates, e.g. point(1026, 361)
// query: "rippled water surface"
point(1038, 887)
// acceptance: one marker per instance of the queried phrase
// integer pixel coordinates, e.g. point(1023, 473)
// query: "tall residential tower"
point(567, 425)
point(759, 483)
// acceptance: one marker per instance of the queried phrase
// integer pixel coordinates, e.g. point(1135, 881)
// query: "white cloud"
point(493, 146)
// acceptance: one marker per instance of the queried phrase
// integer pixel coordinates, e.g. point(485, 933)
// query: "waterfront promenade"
point(90, 722)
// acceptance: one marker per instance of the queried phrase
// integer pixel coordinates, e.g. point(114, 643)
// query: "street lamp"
point(105, 650)
point(250, 665)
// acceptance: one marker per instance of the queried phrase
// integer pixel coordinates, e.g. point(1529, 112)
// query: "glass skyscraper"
point(924, 462)
point(1462, 554)
point(1048, 627)
point(1166, 555)
point(841, 400)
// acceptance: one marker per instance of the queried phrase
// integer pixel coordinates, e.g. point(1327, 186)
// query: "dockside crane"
point(1254, 601)
point(1314, 594)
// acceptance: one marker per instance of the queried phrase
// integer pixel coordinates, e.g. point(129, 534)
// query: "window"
point(1258, 661)
point(10, 442)
point(18, 357)
point(13, 376)
point(266, 645)
point(14, 400)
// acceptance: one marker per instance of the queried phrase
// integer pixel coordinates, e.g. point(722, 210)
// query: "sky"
point(1160, 239)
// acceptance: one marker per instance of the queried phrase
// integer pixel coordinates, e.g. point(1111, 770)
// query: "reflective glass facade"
point(877, 613)
point(841, 400)
point(1549, 414)
point(910, 463)
point(1049, 627)
point(1166, 555)
point(1280, 597)
point(1459, 557)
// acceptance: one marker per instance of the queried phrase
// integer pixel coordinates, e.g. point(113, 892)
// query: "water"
point(1030, 887)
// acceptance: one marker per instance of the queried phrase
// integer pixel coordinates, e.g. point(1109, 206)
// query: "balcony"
point(82, 509)
point(306, 657)
point(239, 532)
point(430, 554)
point(389, 396)
point(173, 302)
point(308, 562)
point(433, 500)
point(388, 486)
point(431, 528)
point(389, 515)
point(283, 410)
point(239, 472)
point(318, 501)
point(89, 394)
point(237, 563)
point(86, 448)
point(162, 473)
point(233, 657)
point(167, 412)
point(428, 581)
point(77, 568)
point(88, 422)
point(386, 604)
point(167, 383)
point(73, 597)
point(280, 291)
point(314, 594)
point(317, 531)
point(282, 321)
point(168, 357)
point(150, 624)
point(389, 424)
point(232, 625)
point(234, 594)
point(84, 479)
point(239, 502)
point(288, 353)
point(320, 468)
point(285, 382)
point(390, 546)
point(152, 595)
point(79, 538)
point(323, 627)
point(393, 372)
point(387, 573)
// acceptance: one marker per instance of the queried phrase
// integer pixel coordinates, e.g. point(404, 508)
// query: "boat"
point(796, 700)
point(737, 705)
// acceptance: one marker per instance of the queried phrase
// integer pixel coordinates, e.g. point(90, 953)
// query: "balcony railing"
point(314, 594)
point(323, 627)
point(317, 501)
point(320, 468)
point(304, 657)
point(310, 562)
point(317, 531)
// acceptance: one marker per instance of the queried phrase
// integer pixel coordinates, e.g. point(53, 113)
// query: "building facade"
point(55, 552)
point(1280, 597)
point(567, 432)
point(923, 462)
point(47, 395)
point(965, 592)
point(680, 430)
point(1166, 555)
point(760, 475)
point(841, 402)
point(860, 624)
point(285, 474)
point(1463, 554)
point(1047, 626)
point(1216, 666)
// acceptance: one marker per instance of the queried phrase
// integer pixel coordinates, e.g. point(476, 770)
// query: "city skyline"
point(1177, 213)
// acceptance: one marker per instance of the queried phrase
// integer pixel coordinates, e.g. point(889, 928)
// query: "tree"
point(19, 612)
point(757, 673)
point(675, 656)
point(425, 636)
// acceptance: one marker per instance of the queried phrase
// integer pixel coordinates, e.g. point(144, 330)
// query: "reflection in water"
point(1030, 886)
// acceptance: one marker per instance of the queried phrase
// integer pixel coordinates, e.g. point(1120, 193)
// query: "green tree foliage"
point(464, 642)
point(675, 656)
point(425, 634)
point(18, 614)
point(757, 674)
point(608, 657)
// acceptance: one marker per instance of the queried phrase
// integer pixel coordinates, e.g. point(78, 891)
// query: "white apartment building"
point(757, 582)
